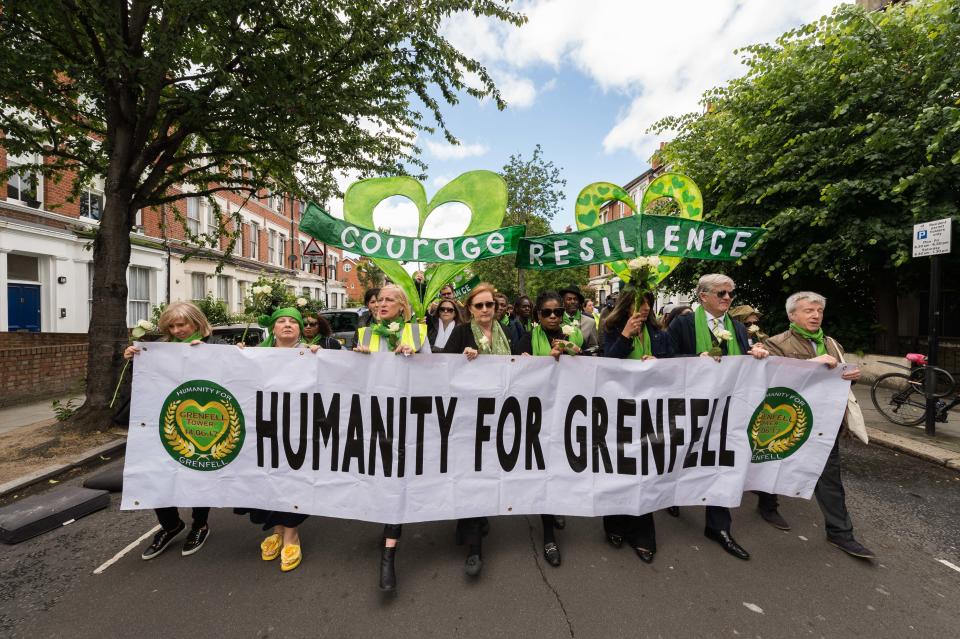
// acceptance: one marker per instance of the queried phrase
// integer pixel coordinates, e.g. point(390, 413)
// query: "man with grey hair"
point(805, 340)
point(710, 332)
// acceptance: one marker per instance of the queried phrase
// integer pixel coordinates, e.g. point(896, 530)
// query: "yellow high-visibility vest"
point(413, 334)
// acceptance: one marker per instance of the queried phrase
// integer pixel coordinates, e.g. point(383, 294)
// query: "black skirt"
point(271, 518)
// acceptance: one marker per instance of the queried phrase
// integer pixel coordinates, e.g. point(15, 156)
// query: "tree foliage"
point(839, 137)
point(245, 95)
point(534, 197)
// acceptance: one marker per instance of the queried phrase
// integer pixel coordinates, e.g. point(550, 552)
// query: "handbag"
point(853, 417)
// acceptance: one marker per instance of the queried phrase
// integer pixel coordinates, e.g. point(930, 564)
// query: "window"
point(213, 219)
point(332, 267)
point(223, 289)
point(282, 253)
point(91, 200)
point(193, 215)
point(198, 285)
point(254, 236)
point(23, 268)
point(316, 293)
point(89, 291)
point(25, 186)
point(138, 295)
point(347, 268)
point(242, 294)
point(272, 247)
point(304, 264)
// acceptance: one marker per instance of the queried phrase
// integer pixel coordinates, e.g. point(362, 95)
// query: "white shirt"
point(443, 334)
point(713, 322)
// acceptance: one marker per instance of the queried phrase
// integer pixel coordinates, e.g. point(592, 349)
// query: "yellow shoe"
point(270, 547)
point(290, 557)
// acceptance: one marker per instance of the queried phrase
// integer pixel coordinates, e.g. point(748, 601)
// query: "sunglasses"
point(547, 312)
point(311, 323)
point(751, 323)
point(483, 305)
point(446, 309)
point(723, 294)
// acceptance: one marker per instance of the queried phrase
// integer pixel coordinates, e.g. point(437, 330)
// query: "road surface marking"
point(120, 554)
point(949, 565)
point(753, 607)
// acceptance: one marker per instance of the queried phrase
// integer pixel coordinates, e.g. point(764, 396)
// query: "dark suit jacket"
point(618, 346)
point(461, 338)
point(683, 334)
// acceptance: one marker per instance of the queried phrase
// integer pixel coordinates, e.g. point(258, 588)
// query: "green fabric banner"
point(322, 226)
point(462, 287)
point(629, 237)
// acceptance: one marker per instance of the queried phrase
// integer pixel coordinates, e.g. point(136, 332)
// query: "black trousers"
point(270, 518)
point(392, 531)
point(169, 518)
point(717, 518)
point(636, 530)
point(830, 496)
point(472, 530)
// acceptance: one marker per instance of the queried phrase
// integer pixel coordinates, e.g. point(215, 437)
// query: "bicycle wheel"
point(899, 398)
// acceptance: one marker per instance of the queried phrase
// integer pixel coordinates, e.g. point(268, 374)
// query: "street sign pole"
point(933, 344)
point(932, 239)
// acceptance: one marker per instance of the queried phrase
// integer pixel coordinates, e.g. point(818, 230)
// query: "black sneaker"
point(161, 540)
point(195, 539)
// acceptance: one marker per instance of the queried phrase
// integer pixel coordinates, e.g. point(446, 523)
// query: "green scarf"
point(706, 340)
point(816, 338)
point(540, 342)
point(380, 328)
point(505, 321)
point(186, 340)
point(500, 345)
point(641, 346)
point(572, 319)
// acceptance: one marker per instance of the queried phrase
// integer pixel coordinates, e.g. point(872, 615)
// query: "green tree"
point(840, 136)
point(369, 274)
point(245, 95)
point(534, 197)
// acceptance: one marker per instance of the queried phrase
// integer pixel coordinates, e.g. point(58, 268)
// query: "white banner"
point(398, 439)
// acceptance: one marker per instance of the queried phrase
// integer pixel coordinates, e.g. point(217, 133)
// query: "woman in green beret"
point(285, 330)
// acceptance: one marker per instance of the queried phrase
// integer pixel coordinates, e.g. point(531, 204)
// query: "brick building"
point(46, 261)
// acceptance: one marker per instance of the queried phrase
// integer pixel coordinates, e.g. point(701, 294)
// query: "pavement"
point(39, 413)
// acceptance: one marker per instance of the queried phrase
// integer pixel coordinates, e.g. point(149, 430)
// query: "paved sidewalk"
point(943, 448)
point(39, 413)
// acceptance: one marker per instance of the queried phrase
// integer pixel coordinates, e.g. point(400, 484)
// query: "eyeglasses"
point(311, 323)
point(483, 305)
point(547, 312)
point(723, 294)
point(446, 309)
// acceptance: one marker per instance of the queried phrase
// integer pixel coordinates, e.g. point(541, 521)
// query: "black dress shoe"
point(646, 556)
point(559, 522)
point(388, 573)
point(726, 540)
point(552, 554)
point(774, 518)
point(854, 548)
point(473, 565)
point(673, 511)
point(615, 540)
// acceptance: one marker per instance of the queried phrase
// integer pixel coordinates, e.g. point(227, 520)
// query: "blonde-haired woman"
point(180, 322)
point(482, 335)
point(392, 332)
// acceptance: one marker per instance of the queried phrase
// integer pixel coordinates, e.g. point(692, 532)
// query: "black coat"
point(461, 338)
point(525, 345)
point(683, 334)
point(516, 332)
point(618, 346)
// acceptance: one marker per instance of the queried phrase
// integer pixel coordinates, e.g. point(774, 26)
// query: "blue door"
point(23, 302)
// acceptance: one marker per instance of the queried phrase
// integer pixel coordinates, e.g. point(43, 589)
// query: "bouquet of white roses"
point(644, 273)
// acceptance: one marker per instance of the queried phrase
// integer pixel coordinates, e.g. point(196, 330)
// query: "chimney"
point(655, 161)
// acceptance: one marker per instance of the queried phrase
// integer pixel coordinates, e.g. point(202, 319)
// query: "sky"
point(586, 80)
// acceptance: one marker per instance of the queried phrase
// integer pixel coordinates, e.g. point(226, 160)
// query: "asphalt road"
point(796, 585)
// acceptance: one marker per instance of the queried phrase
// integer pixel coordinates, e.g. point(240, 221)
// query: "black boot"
point(388, 573)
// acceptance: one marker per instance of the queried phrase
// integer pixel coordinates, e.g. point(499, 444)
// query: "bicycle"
point(902, 398)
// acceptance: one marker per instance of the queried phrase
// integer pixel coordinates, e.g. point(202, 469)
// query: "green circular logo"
point(780, 425)
point(201, 425)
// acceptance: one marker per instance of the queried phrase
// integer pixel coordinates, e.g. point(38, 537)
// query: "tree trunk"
point(521, 281)
point(885, 296)
point(108, 318)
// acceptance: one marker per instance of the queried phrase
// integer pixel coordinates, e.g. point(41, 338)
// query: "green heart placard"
point(675, 186)
point(483, 192)
point(202, 425)
point(774, 422)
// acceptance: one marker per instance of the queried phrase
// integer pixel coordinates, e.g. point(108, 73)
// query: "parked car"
point(344, 322)
point(231, 334)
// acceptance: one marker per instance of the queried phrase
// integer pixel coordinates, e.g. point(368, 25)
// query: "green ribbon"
point(816, 338)
point(392, 337)
point(706, 340)
point(187, 340)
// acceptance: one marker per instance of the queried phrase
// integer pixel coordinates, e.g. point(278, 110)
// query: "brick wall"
point(23, 340)
point(40, 372)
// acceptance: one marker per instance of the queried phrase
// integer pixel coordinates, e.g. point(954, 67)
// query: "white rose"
point(484, 341)
point(301, 301)
point(568, 329)
point(653, 261)
point(637, 262)
point(725, 335)
point(754, 328)
point(393, 327)
point(145, 325)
